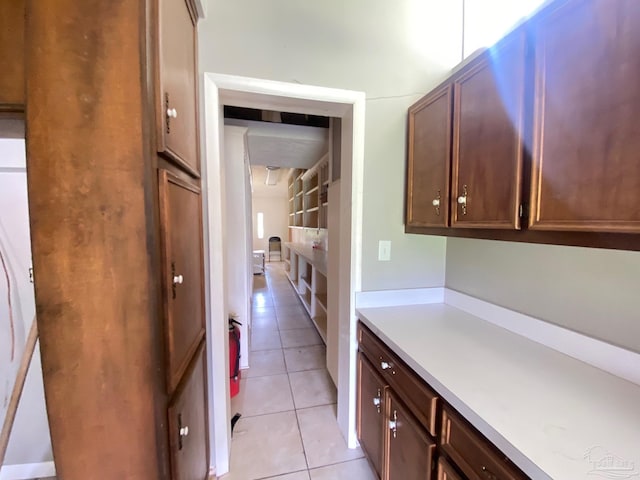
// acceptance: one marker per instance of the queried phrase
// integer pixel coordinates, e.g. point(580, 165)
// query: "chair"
point(275, 247)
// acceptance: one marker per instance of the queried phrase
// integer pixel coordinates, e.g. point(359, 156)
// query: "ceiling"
point(282, 145)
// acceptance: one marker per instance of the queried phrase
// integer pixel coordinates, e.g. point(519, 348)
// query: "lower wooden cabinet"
point(371, 412)
point(408, 434)
point(446, 471)
point(187, 418)
point(409, 449)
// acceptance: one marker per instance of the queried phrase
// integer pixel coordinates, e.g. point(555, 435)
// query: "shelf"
point(312, 190)
point(299, 212)
point(299, 193)
point(321, 299)
point(320, 321)
point(324, 204)
point(306, 281)
point(326, 182)
point(312, 209)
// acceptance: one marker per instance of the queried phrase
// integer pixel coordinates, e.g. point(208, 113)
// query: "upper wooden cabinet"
point(12, 80)
point(586, 168)
point(487, 153)
point(177, 119)
point(429, 157)
point(182, 258)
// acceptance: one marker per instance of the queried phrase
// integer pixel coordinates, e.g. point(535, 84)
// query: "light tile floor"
point(288, 428)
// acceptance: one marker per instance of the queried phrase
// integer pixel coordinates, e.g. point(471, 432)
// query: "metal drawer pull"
point(487, 473)
point(377, 401)
point(178, 279)
point(184, 431)
point(172, 113)
point(436, 203)
point(393, 424)
point(385, 365)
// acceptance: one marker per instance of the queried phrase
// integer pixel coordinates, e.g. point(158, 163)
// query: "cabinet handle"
point(184, 431)
point(169, 112)
point(393, 424)
point(178, 279)
point(436, 203)
point(462, 200)
point(377, 401)
point(172, 113)
point(387, 366)
point(488, 474)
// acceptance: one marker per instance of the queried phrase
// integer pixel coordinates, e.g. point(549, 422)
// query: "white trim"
point(395, 298)
point(279, 96)
point(610, 358)
point(26, 471)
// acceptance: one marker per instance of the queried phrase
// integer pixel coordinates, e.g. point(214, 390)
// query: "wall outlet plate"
point(384, 250)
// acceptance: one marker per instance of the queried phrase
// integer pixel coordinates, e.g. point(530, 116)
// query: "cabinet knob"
point(393, 424)
point(184, 431)
point(385, 365)
point(178, 279)
point(462, 200)
point(436, 202)
point(172, 113)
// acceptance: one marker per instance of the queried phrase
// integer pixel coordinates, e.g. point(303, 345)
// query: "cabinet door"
point(428, 160)
point(487, 152)
point(12, 84)
point(188, 424)
point(181, 243)
point(586, 172)
point(177, 105)
point(370, 412)
point(409, 450)
point(446, 471)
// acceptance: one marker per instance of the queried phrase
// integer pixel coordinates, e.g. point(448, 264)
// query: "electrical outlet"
point(384, 250)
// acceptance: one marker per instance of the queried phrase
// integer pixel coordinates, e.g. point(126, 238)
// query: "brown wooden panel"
point(182, 277)
point(409, 449)
point(488, 119)
point(188, 423)
point(370, 412)
point(12, 83)
point(90, 187)
point(428, 159)
point(586, 171)
point(176, 90)
point(446, 471)
point(415, 393)
point(472, 453)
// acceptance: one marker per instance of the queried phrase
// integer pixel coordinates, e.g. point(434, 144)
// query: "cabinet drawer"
point(446, 471)
point(182, 276)
point(187, 417)
point(419, 398)
point(472, 453)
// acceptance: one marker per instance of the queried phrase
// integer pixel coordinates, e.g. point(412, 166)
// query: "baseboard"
point(27, 471)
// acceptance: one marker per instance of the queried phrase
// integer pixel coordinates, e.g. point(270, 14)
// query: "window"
point(486, 21)
point(260, 222)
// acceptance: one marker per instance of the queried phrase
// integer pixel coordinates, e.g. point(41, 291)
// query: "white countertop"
point(554, 416)
point(317, 258)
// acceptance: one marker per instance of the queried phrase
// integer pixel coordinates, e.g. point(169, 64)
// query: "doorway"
point(346, 105)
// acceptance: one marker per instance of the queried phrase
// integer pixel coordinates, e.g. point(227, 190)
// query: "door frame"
point(219, 90)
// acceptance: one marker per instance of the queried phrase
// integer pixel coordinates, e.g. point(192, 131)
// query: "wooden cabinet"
point(182, 275)
point(187, 418)
point(177, 118)
point(409, 449)
point(404, 431)
point(396, 414)
point(472, 453)
point(586, 172)
point(429, 160)
point(370, 412)
point(12, 80)
point(446, 471)
point(488, 123)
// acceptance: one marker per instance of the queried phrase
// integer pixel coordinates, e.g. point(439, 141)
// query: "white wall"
point(394, 52)
point(276, 218)
point(238, 275)
point(30, 441)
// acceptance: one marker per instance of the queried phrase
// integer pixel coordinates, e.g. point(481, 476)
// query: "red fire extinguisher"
point(234, 357)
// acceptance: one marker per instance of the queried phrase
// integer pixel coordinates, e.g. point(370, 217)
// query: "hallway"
point(287, 400)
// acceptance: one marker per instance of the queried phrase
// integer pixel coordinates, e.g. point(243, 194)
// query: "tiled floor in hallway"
point(288, 429)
